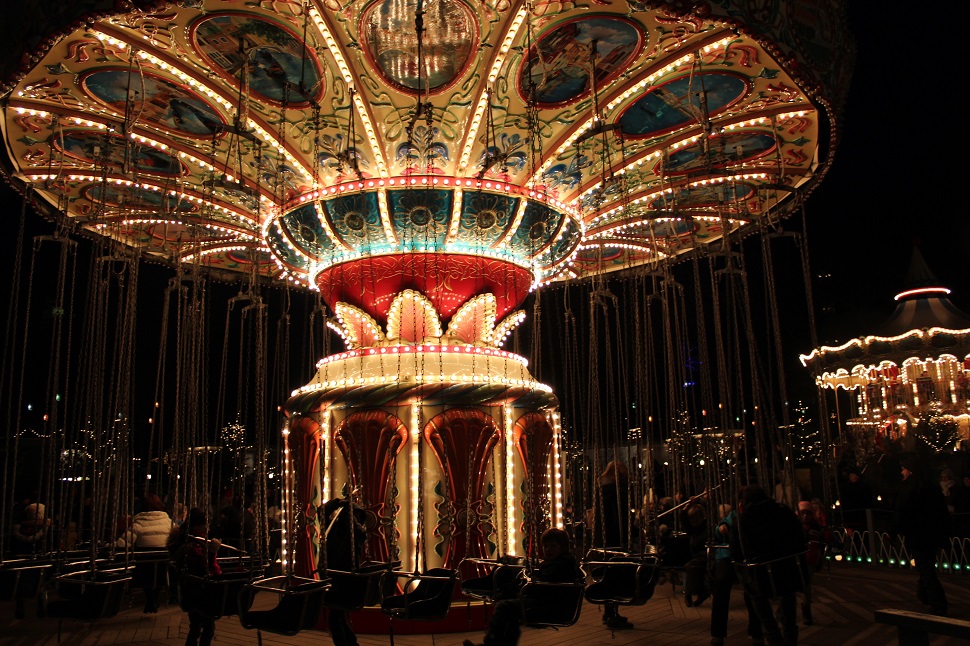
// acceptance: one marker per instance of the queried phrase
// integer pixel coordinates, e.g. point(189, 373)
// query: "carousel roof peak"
point(923, 303)
point(920, 279)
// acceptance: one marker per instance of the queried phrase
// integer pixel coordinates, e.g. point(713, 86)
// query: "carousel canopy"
point(354, 147)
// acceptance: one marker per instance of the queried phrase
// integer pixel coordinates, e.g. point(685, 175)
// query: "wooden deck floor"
point(845, 599)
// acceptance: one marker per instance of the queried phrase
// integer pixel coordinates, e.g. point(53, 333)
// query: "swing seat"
point(424, 597)
point(22, 579)
point(214, 596)
point(773, 577)
point(498, 576)
point(89, 595)
point(353, 590)
point(551, 605)
point(298, 608)
point(624, 581)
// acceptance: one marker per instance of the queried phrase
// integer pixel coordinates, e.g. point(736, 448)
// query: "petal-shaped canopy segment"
point(357, 327)
point(412, 318)
point(474, 322)
point(503, 329)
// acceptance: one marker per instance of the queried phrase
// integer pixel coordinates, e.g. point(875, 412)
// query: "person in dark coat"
point(345, 536)
point(769, 532)
point(193, 554)
point(922, 519)
point(614, 486)
point(694, 522)
point(856, 498)
point(558, 566)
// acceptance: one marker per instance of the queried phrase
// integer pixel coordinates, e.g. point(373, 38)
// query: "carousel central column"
point(443, 437)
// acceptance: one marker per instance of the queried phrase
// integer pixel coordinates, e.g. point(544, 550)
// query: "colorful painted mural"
point(114, 152)
point(560, 62)
point(277, 62)
point(677, 103)
point(448, 42)
point(155, 100)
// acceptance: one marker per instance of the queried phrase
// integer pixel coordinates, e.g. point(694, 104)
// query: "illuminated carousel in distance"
point(426, 165)
point(915, 370)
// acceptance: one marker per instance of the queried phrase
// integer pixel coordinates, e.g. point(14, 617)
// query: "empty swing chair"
point(22, 580)
point(89, 595)
point(299, 602)
point(623, 579)
point(423, 597)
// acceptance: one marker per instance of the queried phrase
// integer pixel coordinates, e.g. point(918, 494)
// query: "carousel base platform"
point(846, 596)
point(463, 617)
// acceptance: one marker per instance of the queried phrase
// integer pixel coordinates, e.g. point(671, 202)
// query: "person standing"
point(345, 536)
point(195, 554)
point(768, 532)
point(614, 487)
point(856, 499)
point(922, 519)
point(695, 523)
point(723, 579)
point(149, 530)
point(813, 557)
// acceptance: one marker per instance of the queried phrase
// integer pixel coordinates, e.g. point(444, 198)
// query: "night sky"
point(892, 184)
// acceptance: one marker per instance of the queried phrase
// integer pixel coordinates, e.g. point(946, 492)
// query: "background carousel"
point(910, 380)
point(424, 167)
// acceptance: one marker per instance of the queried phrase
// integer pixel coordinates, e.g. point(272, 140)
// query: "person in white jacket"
point(149, 530)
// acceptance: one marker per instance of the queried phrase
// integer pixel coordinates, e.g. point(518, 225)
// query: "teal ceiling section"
point(485, 217)
point(356, 219)
point(562, 247)
point(306, 232)
point(538, 228)
point(283, 250)
point(420, 217)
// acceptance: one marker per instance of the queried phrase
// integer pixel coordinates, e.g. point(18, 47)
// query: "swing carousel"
point(422, 169)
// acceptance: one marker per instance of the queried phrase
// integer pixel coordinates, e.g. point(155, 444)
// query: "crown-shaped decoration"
point(412, 318)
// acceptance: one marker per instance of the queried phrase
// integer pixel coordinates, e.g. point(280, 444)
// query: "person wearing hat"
point(922, 519)
point(30, 531)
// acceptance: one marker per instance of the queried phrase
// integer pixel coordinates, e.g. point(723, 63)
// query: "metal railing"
point(885, 548)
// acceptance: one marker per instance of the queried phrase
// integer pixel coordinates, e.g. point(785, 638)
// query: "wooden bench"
point(914, 628)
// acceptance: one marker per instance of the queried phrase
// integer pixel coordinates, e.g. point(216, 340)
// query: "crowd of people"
point(753, 540)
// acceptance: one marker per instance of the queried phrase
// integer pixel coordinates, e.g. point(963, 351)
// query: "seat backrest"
point(551, 604)
point(427, 597)
point(625, 583)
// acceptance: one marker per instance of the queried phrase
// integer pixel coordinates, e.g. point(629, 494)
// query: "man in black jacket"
point(922, 518)
point(766, 541)
point(345, 536)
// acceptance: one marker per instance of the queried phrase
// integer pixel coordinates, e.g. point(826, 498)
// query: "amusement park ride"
point(424, 166)
point(915, 367)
